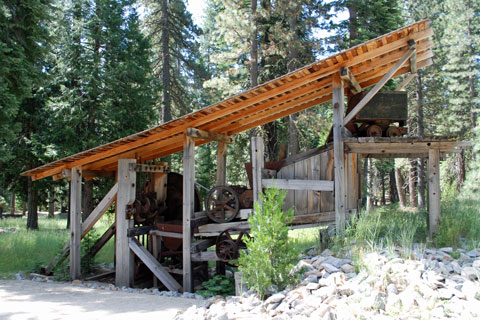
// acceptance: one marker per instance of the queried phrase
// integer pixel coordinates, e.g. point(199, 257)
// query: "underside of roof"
point(291, 93)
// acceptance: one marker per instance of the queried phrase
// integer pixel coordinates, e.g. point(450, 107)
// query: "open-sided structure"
point(323, 183)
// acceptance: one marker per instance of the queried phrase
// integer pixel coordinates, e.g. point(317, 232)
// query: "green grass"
point(305, 238)
point(28, 250)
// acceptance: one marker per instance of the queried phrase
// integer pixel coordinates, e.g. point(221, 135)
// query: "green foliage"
point(219, 285)
point(271, 254)
point(459, 223)
point(384, 227)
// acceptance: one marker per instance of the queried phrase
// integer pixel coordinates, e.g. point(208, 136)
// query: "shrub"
point(218, 285)
point(271, 254)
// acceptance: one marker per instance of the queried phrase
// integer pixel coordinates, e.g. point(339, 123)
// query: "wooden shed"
point(323, 183)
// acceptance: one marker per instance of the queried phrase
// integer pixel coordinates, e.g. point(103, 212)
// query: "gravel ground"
point(25, 299)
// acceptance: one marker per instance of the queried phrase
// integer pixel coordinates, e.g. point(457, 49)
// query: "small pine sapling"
point(271, 254)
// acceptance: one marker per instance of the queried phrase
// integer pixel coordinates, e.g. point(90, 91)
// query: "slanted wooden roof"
point(293, 92)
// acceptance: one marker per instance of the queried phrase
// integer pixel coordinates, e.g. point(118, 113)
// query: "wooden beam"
point(349, 78)
point(102, 241)
point(126, 195)
point(413, 58)
point(208, 135)
point(154, 265)
point(75, 223)
point(257, 166)
point(378, 86)
point(188, 207)
point(339, 161)
point(403, 146)
point(98, 212)
point(405, 82)
point(433, 191)
point(292, 184)
point(221, 164)
point(159, 233)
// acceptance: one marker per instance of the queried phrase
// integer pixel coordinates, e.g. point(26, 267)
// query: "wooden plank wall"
point(320, 167)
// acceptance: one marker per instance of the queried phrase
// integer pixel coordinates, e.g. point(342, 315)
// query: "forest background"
point(79, 73)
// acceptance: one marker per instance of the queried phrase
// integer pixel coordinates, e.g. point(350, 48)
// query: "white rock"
point(470, 273)
point(302, 266)
point(348, 268)
point(276, 298)
point(324, 292)
point(392, 289)
point(330, 268)
point(313, 286)
point(456, 267)
point(476, 264)
point(470, 290)
point(321, 311)
point(446, 249)
point(445, 294)
point(327, 252)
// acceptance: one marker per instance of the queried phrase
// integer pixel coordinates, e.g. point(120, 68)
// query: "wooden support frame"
point(154, 265)
point(258, 162)
point(221, 164)
point(208, 135)
point(98, 212)
point(381, 83)
point(295, 184)
point(338, 151)
point(433, 191)
point(75, 223)
point(349, 78)
point(126, 195)
point(405, 82)
point(107, 235)
point(188, 207)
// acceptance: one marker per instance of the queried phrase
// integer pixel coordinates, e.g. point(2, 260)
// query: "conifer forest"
point(76, 74)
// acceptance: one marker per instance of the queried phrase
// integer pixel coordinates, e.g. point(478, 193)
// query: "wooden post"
point(433, 191)
point(257, 166)
point(126, 195)
point(221, 181)
point(188, 205)
point(221, 164)
point(75, 223)
point(339, 157)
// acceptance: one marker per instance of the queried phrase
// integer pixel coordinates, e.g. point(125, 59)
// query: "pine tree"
point(102, 87)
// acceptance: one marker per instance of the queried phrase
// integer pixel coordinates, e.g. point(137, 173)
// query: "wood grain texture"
point(339, 161)
point(433, 191)
point(75, 223)
point(188, 208)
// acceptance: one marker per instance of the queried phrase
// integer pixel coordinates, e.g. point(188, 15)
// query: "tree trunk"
point(32, 218)
point(353, 27)
point(400, 191)
point(420, 132)
point(166, 84)
point(411, 183)
point(51, 204)
point(369, 185)
point(87, 199)
point(393, 191)
point(460, 170)
point(12, 203)
point(384, 201)
point(292, 64)
point(24, 209)
point(254, 47)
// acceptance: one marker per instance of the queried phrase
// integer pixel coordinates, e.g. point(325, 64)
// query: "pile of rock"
point(433, 284)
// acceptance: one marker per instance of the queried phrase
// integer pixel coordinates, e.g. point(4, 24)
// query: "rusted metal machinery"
point(228, 248)
point(377, 117)
point(223, 203)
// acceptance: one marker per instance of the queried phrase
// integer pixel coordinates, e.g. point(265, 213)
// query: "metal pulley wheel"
point(222, 204)
point(227, 248)
point(374, 131)
point(394, 132)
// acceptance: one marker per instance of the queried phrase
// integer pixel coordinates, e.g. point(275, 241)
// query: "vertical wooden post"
point(433, 191)
point(75, 222)
point(126, 195)
point(188, 205)
point(339, 159)
point(221, 164)
point(257, 166)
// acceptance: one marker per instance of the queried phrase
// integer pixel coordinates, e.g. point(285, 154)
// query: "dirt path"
point(39, 300)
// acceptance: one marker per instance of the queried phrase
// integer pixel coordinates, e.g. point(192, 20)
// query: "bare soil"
point(24, 299)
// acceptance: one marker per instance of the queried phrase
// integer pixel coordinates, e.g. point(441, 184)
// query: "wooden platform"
point(408, 147)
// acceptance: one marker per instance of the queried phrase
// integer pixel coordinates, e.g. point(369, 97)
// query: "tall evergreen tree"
point(102, 88)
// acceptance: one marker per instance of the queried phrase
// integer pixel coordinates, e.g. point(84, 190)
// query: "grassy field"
point(27, 250)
